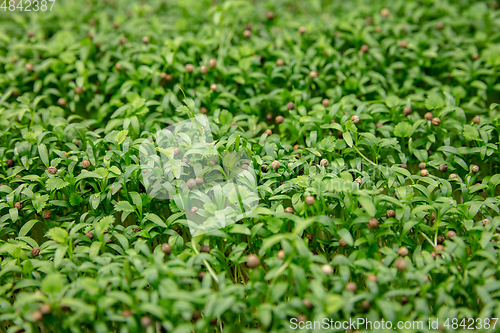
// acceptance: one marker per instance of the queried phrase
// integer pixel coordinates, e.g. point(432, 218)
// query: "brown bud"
point(355, 119)
point(145, 39)
point(52, 170)
point(204, 69)
point(275, 165)
point(324, 162)
point(385, 12)
point(90, 235)
point(290, 106)
point(476, 120)
point(212, 63)
point(390, 213)
point(307, 303)
point(364, 48)
point(205, 248)
point(79, 90)
point(203, 110)
point(191, 183)
point(280, 62)
point(485, 222)
point(281, 254)
point(313, 74)
point(85, 164)
point(61, 102)
point(289, 210)
point(475, 56)
point(302, 30)
point(118, 66)
point(10, 163)
point(371, 277)
point(422, 165)
point(439, 248)
point(213, 87)
point(247, 33)
point(37, 316)
point(177, 151)
point(279, 119)
point(429, 116)
point(451, 176)
point(29, 66)
point(268, 132)
point(127, 313)
point(436, 121)
point(407, 111)
point(403, 44)
point(18, 205)
point(440, 239)
point(475, 169)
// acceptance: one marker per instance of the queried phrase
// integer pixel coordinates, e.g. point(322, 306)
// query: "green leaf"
point(368, 205)
point(403, 130)
point(346, 235)
point(44, 154)
point(55, 184)
point(123, 206)
point(348, 139)
point(52, 283)
point(155, 219)
point(40, 202)
point(58, 234)
point(434, 101)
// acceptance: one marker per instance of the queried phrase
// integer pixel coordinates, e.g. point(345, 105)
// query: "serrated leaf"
point(58, 234)
point(55, 184)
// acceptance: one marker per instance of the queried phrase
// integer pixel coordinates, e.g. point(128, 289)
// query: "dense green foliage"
point(384, 203)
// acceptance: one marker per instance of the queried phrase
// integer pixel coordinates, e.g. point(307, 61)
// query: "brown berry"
point(268, 132)
point(281, 254)
point(422, 165)
point(46, 214)
point(385, 12)
point(275, 165)
point(359, 181)
point(355, 119)
point(327, 269)
point(203, 110)
point(403, 44)
point(252, 261)
point(213, 87)
point(364, 48)
point(371, 277)
point(476, 120)
point(450, 234)
point(325, 102)
point(441, 239)
point(177, 151)
point(440, 25)
point(79, 90)
point(439, 248)
point(45, 308)
point(301, 318)
point(475, 56)
point(424, 173)
point(146, 321)
point(166, 248)
point(443, 167)
point(279, 119)
point(52, 170)
point(204, 69)
point(10, 163)
point(302, 30)
point(403, 251)
point(205, 248)
point(390, 213)
point(451, 176)
point(289, 210)
point(280, 62)
point(201, 275)
point(247, 33)
point(37, 316)
point(428, 116)
point(118, 66)
point(373, 223)
point(407, 111)
point(270, 15)
point(18, 205)
point(474, 169)
point(191, 183)
point(85, 164)
point(404, 166)
point(351, 286)
point(212, 63)
point(145, 39)
point(90, 235)
point(324, 162)
point(485, 222)
point(35, 251)
point(290, 106)
point(310, 200)
point(61, 102)
point(313, 74)
point(307, 303)
point(29, 66)
point(194, 210)
point(400, 264)
point(436, 121)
